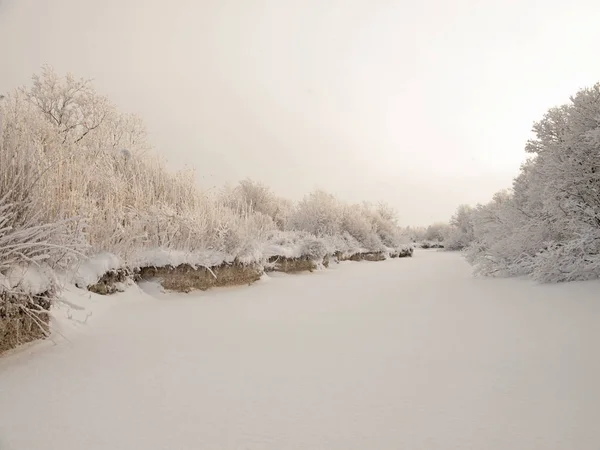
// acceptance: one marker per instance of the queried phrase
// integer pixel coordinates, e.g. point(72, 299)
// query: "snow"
point(30, 279)
point(286, 251)
point(409, 353)
point(162, 258)
point(294, 244)
point(91, 270)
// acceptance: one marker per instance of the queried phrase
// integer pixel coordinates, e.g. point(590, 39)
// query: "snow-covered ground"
point(402, 354)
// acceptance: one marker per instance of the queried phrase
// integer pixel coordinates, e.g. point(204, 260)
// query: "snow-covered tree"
point(460, 233)
point(70, 104)
point(549, 225)
point(436, 232)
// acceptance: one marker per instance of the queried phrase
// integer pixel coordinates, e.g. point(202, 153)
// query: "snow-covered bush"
point(96, 166)
point(94, 187)
point(319, 213)
point(254, 196)
point(357, 228)
point(345, 245)
point(385, 224)
point(504, 244)
point(358, 223)
point(30, 239)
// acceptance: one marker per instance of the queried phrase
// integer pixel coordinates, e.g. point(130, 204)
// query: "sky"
point(424, 105)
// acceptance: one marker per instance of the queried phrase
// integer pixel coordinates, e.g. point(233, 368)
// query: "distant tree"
point(548, 225)
point(436, 232)
point(460, 233)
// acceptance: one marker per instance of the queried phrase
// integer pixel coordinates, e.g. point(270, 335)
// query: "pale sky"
point(423, 104)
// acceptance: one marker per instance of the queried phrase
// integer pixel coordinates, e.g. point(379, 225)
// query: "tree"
point(549, 225)
point(460, 234)
point(81, 116)
point(436, 232)
point(71, 105)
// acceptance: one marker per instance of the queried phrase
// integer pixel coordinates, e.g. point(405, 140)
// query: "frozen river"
point(403, 354)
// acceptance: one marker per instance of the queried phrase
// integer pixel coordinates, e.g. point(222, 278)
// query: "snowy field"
point(402, 354)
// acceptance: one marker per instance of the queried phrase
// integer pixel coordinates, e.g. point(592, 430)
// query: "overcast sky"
point(424, 104)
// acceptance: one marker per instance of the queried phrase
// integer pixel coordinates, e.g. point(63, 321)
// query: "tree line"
point(547, 225)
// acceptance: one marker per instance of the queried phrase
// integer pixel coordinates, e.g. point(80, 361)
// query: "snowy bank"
point(26, 294)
